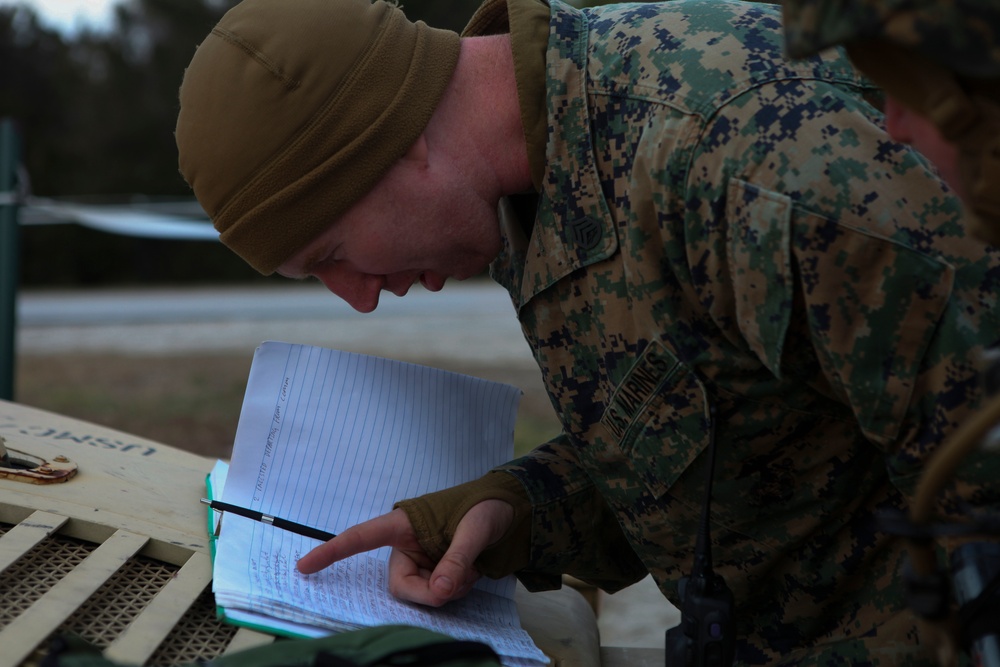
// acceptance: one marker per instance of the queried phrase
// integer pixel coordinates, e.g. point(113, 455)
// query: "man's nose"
point(360, 290)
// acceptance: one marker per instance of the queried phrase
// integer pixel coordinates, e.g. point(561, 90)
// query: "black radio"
point(705, 637)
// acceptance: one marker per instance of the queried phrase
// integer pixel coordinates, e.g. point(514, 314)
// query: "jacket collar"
point(572, 226)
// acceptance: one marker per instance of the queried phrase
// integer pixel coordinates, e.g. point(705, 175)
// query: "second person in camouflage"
point(938, 62)
point(688, 223)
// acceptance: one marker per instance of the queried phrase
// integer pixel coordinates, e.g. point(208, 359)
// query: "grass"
point(193, 402)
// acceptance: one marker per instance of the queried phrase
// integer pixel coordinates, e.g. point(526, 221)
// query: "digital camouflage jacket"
point(721, 230)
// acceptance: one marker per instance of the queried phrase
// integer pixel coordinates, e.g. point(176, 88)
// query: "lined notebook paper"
point(329, 439)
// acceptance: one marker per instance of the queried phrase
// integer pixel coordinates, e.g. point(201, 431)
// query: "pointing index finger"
point(382, 531)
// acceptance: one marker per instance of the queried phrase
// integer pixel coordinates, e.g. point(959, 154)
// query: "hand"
point(413, 575)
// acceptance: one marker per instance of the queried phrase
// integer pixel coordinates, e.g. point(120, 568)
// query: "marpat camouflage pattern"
point(962, 35)
point(721, 226)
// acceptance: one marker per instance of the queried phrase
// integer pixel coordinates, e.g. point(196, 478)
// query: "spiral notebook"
point(329, 439)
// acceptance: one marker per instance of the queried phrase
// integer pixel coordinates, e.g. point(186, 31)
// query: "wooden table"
point(119, 555)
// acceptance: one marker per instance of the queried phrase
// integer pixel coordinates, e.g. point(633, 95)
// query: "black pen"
point(277, 522)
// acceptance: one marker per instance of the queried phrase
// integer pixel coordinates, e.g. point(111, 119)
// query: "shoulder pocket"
point(871, 304)
point(759, 254)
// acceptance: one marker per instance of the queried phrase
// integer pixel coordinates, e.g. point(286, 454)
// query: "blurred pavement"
point(471, 321)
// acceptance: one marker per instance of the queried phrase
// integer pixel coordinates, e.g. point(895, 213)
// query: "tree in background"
point(96, 112)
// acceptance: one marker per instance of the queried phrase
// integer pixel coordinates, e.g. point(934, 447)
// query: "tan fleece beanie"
point(292, 110)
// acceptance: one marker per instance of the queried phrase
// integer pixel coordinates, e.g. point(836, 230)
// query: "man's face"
point(417, 225)
point(908, 127)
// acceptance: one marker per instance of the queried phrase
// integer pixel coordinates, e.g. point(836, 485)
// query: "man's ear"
point(896, 120)
point(418, 152)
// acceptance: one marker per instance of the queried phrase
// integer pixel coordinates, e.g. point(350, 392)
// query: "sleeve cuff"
point(434, 517)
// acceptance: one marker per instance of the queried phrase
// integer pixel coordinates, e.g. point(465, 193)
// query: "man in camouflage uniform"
point(939, 63)
point(700, 238)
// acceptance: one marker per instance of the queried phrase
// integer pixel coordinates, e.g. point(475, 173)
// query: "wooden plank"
point(32, 627)
point(145, 633)
point(26, 535)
